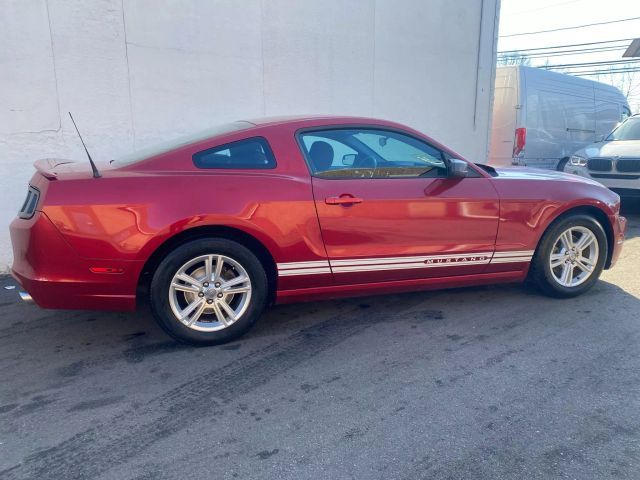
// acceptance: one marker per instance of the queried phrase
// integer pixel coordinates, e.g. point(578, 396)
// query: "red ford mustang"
point(214, 227)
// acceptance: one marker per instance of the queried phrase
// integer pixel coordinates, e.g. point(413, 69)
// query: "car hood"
point(615, 148)
point(524, 173)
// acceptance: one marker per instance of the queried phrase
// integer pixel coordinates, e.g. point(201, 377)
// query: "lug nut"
point(219, 295)
point(209, 301)
point(201, 294)
point(205, 284)
point(217, 284)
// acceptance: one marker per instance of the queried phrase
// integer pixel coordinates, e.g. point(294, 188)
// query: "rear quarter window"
point(249, 154)
point(164, 147)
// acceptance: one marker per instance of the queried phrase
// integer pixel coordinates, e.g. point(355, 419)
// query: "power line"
point(592, 64)
point(575, 50)
point(611, 70)
point(571, 28)
point(597, 70)
point(562, 53)
point(566, 46)
point(605, 72)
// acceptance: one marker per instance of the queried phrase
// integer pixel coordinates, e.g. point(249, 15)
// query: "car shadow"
point(135, 337)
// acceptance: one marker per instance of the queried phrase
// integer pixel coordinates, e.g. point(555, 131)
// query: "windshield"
point(175, 143)
point(627, 130)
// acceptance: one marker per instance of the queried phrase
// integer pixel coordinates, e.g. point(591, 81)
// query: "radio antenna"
point(96, 173)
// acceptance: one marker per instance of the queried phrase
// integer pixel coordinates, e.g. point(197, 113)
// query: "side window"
point(370, 153)
point(339, 149)
point(402, 155)
point(250, 154)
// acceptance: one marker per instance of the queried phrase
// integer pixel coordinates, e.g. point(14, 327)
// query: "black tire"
point(159, 291)
point(561, 164)
point(540, 273)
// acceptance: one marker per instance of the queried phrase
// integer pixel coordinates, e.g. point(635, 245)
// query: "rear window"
point(251, 153)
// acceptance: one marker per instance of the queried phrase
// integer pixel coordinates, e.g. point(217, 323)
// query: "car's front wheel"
point(208, 291)
point(570, 257)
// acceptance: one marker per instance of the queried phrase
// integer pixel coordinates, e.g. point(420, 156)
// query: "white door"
point(505, 102)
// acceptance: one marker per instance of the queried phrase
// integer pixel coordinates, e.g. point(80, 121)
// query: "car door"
point(388, 211)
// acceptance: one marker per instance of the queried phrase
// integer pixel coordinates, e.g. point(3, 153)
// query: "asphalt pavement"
point(477, 383)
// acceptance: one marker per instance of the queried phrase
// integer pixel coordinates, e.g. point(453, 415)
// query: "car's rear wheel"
point(208, 291)
point(570, 257)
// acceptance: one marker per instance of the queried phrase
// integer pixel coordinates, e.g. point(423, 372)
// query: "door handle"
point(580, 130)
point(344, 199)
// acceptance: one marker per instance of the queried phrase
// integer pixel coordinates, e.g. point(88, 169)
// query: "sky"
point(519, 16)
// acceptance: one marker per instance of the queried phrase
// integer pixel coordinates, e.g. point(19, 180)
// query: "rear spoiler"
point(46, 166)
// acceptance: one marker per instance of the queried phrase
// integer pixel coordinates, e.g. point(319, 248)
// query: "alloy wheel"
point(574, 256)
point(210, 292)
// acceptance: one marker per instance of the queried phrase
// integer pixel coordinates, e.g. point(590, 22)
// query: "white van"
point(540, 118)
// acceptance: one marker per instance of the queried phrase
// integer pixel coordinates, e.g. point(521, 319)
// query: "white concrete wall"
point(134, 72)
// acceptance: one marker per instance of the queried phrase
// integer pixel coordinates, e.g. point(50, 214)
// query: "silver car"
point(614, 161)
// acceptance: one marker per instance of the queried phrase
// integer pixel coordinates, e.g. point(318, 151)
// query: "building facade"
point(135, 72)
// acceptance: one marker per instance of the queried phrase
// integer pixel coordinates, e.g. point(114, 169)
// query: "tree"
point(515, 58)
point(627, 82)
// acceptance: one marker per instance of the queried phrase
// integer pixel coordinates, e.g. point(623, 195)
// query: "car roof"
point(223, 130)
point(316, 119)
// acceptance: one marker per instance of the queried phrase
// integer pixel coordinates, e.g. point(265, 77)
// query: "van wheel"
point(208, 291)
point(570, 257)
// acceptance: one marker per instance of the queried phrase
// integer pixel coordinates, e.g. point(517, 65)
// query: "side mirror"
point(349, 159)
point(458, 168)
point(600, 138)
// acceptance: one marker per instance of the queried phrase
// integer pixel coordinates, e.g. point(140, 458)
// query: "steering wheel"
point(364, 165)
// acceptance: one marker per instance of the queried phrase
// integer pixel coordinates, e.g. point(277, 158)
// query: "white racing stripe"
point(403, 266)
point(511, 260)
point(514, 253)
point(400, 260)
point(303, 271)
point(401, 263)
point(303, 268)
point(513, 256)
point(296, 265)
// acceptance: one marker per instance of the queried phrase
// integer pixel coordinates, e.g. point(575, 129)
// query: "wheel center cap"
point(211, 292)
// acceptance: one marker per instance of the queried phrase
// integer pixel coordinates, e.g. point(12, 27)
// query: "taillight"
point(30, 203)
point(520, 141)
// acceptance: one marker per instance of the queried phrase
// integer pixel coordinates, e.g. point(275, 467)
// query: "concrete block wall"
point(135, 72)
